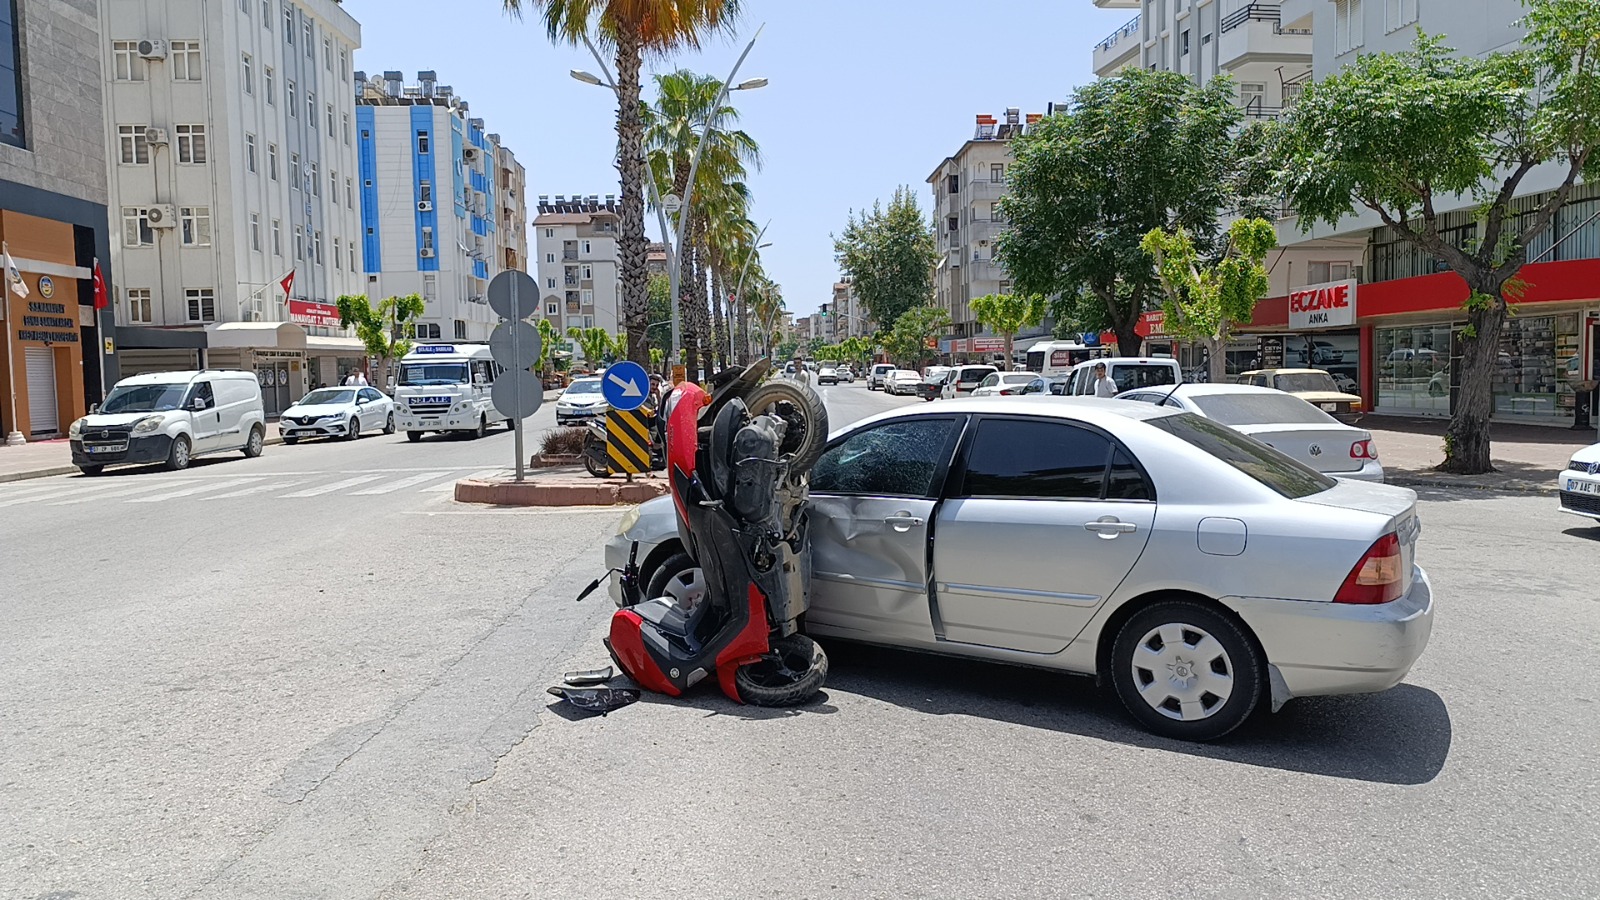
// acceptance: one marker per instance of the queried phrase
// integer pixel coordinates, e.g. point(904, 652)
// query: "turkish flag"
point(101, 298)
point(287, 284)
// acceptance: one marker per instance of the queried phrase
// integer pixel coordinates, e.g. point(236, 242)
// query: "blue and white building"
point(430, 203)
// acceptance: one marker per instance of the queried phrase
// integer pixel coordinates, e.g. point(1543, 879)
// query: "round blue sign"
point(625, 385)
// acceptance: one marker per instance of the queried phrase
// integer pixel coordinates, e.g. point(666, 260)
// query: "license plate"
point(1584, 487)
point(109, 448)
point(1330, 407)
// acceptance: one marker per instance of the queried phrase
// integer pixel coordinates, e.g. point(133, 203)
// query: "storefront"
point(329, 357)
point(49, 324)
point(275, 351)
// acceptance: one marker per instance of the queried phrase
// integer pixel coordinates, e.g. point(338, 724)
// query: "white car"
point(170, 418)
point(877, 375)
point(341, 412)
point(581, 401)
point(1580, 483)
point(902, 381)
point(962, 380)
point(1003, 384)
point(1281, 421)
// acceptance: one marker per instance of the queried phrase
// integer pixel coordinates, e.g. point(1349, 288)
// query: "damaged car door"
point(873, 499)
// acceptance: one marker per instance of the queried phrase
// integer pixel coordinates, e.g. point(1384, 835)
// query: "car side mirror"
point(94, 408)
point(198, 404)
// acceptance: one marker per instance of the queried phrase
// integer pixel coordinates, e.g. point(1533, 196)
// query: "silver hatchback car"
point(1196, 570)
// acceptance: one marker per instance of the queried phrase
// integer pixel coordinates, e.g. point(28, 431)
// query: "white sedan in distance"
point(341, 412)
point(1281, 421)
point(1003, 384)
point(902, 381)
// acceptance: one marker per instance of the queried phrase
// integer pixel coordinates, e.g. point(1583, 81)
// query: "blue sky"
point(864, 95)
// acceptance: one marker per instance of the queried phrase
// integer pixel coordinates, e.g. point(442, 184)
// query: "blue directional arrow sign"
point(625, 385)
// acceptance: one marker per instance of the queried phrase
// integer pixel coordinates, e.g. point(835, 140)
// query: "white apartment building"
point(232, 161)
point(511, 185)
point(848, 318)
point(431, 203)
point(575, 242)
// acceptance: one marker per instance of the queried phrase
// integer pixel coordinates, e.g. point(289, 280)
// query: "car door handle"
point(1110, 527)
point(903, 521)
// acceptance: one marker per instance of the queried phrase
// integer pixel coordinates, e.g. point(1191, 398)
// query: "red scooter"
point(737, 459)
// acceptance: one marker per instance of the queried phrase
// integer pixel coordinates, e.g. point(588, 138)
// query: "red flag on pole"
point(101, 298)
point(287, 283)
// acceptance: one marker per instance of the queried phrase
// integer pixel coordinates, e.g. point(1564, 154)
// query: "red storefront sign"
point(1323, 305)
point(305, 312)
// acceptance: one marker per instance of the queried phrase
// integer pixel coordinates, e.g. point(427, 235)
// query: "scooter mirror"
point(588, 590)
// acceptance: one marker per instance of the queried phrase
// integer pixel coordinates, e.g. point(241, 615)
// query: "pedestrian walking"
point(1103, 385)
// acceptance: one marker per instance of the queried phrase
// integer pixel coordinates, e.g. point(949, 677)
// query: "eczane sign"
point(1328, 305)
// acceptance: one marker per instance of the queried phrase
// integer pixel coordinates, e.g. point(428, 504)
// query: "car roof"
point(183, 377)
point(1108, 414)
point(1286, 372)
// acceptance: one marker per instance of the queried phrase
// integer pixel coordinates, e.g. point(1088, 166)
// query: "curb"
point(1531, 490)
point(6, 477)
point(531, 493)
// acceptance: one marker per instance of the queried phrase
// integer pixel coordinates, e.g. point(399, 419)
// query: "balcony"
point(1119, 49)
point(985, 189)
point(1256, 32)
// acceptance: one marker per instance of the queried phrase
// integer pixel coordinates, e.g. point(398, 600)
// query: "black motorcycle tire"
point(596, 465)
point(757, 687)
point(805, 447)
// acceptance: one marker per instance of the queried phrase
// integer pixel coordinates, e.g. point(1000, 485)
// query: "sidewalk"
point(36, 460)
point(1527, 457)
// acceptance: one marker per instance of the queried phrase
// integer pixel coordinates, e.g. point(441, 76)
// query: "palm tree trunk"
point(718, 286)
point(631, 244)
point(685, 298)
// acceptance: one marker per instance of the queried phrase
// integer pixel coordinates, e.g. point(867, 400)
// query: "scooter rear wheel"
point(790, 675)
point(807, 419)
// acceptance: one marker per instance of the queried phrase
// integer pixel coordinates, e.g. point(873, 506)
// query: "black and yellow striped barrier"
point(628, 441)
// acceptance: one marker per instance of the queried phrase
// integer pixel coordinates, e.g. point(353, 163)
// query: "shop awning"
point(136, 338)
point(344, 346)
point(264, 335)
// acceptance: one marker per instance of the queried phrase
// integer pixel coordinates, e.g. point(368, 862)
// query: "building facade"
point(232, 158)
point(575, 242)
point(431, 204)
point(58, 350)
point(511, 186)
point(848, 317)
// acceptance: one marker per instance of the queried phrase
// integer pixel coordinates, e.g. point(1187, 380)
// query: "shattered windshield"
point(895, 459)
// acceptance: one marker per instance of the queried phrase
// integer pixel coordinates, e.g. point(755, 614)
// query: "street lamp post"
point(738, 290)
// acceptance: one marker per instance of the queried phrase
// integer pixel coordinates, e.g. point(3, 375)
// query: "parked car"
point(1580, 483)
point(847, 374)
point(170, 418)
point(827, 375)
point(1003, 384)
point(1129, 372)
point(1044, 387)
point(1315, 386)
point(1281, 421)
point(964, 379)
point(1322, 354)
point(580, 402)
point(932, 384)
point(1105, 538)
point(341, 412)
point(877, 374)
point(902, 381)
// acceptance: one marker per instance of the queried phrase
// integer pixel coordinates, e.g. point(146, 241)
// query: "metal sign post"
point(515, 345)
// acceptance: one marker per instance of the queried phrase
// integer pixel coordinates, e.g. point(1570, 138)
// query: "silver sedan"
point(1199, 572)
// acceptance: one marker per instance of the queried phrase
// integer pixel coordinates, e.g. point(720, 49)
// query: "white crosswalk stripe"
point(56, 495)
point(116, 492)
point(335, 486)
point(256, 489)
point(404, 483)
point(451, 485)
point(213, 485)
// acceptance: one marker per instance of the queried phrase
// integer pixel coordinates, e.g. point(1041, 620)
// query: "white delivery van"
point(445, 387)
point(1129, 372)
point(170, 418)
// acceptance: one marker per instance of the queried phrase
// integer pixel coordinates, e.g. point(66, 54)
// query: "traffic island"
point(560, 486)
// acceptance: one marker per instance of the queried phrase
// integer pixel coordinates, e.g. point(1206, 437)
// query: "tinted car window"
point(201, 391)
point(1126, 481)
point(1266, 465)
point(1131, 378)
point(895, 459)
point(1019, 458)
point(1261, 409)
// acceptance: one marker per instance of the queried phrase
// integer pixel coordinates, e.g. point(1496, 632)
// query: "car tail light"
point(1377, 577)
point(1006, 392)
point(1363, 450)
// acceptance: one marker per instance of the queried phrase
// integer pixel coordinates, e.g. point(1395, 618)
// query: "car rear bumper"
point(1371, 470)
point(1341, 648)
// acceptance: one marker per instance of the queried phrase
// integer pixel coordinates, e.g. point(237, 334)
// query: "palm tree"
point(633, 28)
point(726, 229)
point(686, 103)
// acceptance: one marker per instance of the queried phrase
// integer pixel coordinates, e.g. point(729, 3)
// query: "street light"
point(587, 77)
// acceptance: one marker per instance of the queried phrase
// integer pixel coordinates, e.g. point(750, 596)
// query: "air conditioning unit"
point(153, 49)
point(424, 206)
point(155, 135)
point(426, 253)
point(470, 153)
point(162, 216)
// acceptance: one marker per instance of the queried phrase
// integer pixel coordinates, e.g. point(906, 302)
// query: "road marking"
point(53, 496)
point(254, 489)
point(50, 484)
point(216, 484)
point(335, 486)
point(113, 492)
point(403, 483)
point(451, 485)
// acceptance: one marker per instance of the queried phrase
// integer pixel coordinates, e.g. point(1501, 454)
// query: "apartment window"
point(430, 287)
point(338, 261)
point(269, 85)
point(316, 247)
point(587, 297)
point(249, 74)
point(344, 119)
point(425, 191)
point(1252, 94)
point(330, 122)
point(299, 243)
point(550, 258)
point(995, 215)
point(277, 237)
point(461, 330)
point(288, 24)
point(311, 50)
point(349, 193)
point(202, 304)
point(333, 186)
point(249, 152)
point(1397, 14)
point(952, 184)
point(588, 273)
point(351, 250)
point(327, 53)
point(194, 224)
point(136, 231)
point(192, 144)
point(294, 171)
point(1205, 39)
point(139, 311)
point(272, 161)
point(588, 321)
point(312, 179)
point(127, 64)
point(1348, 31)
point(422, 142)
point(184, 58)
point(586, 249)
point(1183, 42)
point(550, 283)
point(344, 64)
point(255, 232)
point(266, 14)
point(288, 97)
point(549, 232)
point(552, 309)
point(997, 173)
point(311, 107)
point(1324, 272)
point(135, 151)
point(427, 238)
point(953, 224)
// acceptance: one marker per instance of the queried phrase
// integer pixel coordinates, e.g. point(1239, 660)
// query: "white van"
point(962, 380)
point(1129, 372)
point(445, 387)
point(171, 417)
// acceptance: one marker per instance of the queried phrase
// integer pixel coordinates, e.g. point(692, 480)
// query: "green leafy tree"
point(548, 336)
point(1203, 301)
point(889, 253)
point(1007, 314)
point(1137, 151)
point(594, 344)
point(1403, 133)
point(385, 330)
point(907, 342)
point(785, 349)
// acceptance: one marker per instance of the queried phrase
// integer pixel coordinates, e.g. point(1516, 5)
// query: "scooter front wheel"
point(596, 464)
point(789, 675)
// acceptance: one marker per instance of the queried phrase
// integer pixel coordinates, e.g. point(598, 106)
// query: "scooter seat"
point(664, 614)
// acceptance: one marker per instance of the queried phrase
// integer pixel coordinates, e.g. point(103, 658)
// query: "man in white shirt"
point(1103, 385)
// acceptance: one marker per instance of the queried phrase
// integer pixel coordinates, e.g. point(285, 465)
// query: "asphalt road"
point(331, 688)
